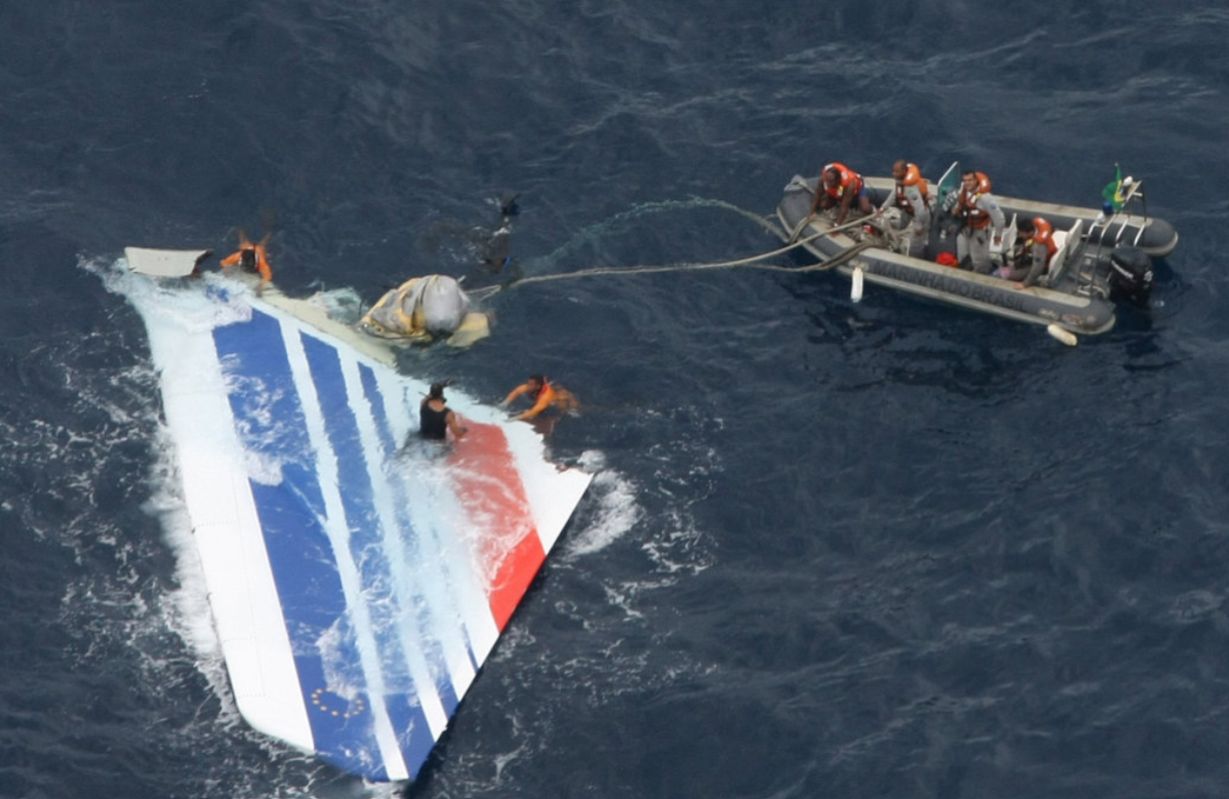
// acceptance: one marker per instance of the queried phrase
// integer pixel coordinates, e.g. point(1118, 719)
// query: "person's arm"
point(514, 393)
point(846, 200)
point(1040, 253)
point(262, 265)
point(544, 401)
point(452, 420)
point(997, 220)
point(921, 216)
point(566, 400)
point(232, 259)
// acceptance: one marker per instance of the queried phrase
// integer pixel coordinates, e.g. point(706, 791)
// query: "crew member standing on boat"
point(980, 217)
point(839, 186)
point(912, 196)
point(435, 418)
point(1033, 254)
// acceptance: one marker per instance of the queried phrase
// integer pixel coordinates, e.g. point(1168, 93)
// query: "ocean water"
point(879, 550)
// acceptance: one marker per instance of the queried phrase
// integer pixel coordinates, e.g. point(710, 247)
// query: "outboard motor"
point(1130, 275)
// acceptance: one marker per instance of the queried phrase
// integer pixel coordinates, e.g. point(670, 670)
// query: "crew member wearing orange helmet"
point(839, 186)
point(980, 218)
point(1035, 248)
point(912, 195)
point(251, 258)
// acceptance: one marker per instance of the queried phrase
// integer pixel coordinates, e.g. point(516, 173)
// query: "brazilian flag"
point(1112, 193)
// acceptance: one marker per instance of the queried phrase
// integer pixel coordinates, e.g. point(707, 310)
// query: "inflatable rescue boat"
point(1101, 259)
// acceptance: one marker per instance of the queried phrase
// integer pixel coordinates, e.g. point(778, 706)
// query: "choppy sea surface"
point(888, 549)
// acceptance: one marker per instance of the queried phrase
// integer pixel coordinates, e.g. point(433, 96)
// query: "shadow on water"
point(890, 339)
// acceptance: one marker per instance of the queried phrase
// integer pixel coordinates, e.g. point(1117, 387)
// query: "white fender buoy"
point(1062, 334)
point(855, 291)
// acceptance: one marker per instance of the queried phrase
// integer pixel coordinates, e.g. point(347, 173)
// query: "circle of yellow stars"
point(352, 708)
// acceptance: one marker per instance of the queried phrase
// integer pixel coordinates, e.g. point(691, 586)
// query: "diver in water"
point(497, 250)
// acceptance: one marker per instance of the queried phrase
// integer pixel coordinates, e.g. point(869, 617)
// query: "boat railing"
point(1063, 254)
point(1102, 226)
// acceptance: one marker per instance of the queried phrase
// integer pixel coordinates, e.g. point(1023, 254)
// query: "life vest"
point(966, 205)
point(547, 391)
point(913, 177)
point(1043, 233)
point(250, 258)
point(850, 181)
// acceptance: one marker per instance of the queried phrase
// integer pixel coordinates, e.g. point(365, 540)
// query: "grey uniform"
point(975, 244)
point(919, 224)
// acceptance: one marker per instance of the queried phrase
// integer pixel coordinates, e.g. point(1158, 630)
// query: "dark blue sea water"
point(878, 550)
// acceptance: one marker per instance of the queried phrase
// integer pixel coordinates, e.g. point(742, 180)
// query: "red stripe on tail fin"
point(507, 541)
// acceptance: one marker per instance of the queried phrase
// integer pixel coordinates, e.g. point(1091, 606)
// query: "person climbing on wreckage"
point(436, 419)
point(549, 401)
point(251, 259)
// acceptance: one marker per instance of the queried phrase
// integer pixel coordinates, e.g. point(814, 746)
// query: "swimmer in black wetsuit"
point(434, 417)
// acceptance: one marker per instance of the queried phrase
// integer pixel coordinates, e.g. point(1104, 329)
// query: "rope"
point(750, 262)
point(753, 262)
point(593, 233)
point(644, 270)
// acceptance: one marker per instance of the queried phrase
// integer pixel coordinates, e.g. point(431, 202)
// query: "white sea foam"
point(343, 304)
point(190, 618)
point(616, 513)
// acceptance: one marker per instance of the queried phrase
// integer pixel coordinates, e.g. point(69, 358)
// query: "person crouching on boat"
point(544, 394)
point(980, 217)
point(912, 196)
point(1034, 250)
point(252, 259)
point(436, 419)
point(839, 186)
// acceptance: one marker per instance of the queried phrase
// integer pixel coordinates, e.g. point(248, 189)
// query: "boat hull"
point(1078, 302)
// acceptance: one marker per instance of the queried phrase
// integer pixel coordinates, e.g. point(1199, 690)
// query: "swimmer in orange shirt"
point(252, 258)
point(544, 395)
